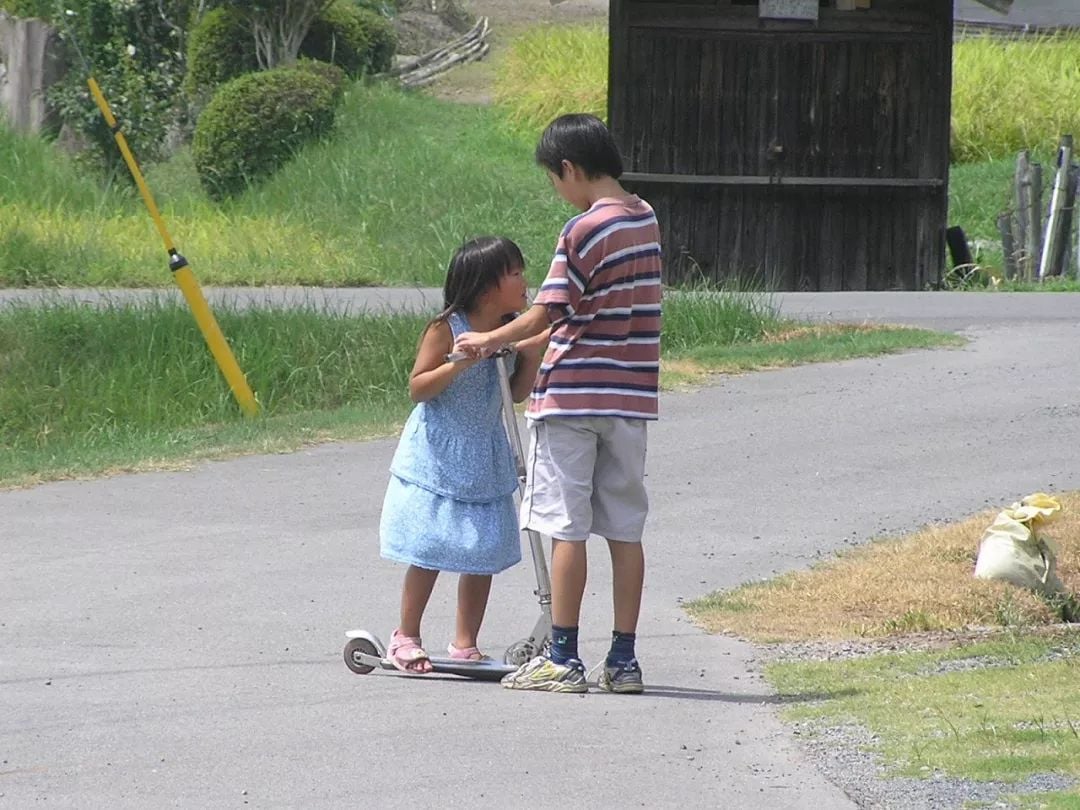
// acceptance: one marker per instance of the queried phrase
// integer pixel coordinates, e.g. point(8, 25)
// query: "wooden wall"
point(808, 156)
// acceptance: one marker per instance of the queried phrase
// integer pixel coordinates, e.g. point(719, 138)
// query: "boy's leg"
point(620, 506)
point(473, 592)
point(628, 579)
point(562, 454)
point(569, 571)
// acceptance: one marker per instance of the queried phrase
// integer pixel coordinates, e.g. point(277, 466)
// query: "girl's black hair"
point(476, 267)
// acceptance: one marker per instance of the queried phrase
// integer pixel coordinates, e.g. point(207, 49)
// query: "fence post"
point(1028, 194)
point(1008, 246)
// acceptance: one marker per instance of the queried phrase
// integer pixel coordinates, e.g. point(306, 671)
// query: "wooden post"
point(1028, 236)
point(1053, 255)
point(1008, 246)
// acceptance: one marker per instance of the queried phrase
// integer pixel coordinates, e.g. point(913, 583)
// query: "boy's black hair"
point(585, 141)
point(476, 267)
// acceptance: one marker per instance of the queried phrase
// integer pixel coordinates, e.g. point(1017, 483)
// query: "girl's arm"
point(432, 373)
point(530, 353)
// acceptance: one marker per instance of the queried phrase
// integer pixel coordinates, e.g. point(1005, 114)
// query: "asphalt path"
point(174, 638)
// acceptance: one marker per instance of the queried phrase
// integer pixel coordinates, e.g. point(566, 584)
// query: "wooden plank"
point(795, 182)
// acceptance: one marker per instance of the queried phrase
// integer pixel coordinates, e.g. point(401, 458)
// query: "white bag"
point(1012, 551)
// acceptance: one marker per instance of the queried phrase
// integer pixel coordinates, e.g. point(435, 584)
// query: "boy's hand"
point(474, 344)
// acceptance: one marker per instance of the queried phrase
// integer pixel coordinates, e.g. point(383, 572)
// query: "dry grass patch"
point(824, 331)
point(891, 587)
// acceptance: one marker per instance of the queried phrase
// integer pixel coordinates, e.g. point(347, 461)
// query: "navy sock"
point(622, 648)
point(563, 644)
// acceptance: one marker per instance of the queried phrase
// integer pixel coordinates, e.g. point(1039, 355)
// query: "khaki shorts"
point(586, 475)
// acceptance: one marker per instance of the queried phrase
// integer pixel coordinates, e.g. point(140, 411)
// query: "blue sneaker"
point(622, 679)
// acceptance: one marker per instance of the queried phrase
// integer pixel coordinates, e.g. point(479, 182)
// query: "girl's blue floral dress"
point(450, 502)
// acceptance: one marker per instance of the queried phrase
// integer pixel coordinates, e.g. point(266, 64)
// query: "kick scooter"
point(364, 652)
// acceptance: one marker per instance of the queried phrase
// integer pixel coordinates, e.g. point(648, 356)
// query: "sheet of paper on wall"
point(789, 9)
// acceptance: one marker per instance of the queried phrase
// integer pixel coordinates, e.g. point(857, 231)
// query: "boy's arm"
point(530, 353)
point(531, 323)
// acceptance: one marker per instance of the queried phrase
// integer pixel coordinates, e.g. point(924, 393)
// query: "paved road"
point(174, 639)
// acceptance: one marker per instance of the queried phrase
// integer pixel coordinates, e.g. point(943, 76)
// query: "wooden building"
point(798, 144)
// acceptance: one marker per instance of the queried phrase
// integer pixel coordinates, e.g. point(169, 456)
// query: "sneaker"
point(623, 679)
point(544, 675)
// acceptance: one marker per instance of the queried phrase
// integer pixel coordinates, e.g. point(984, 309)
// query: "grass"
point(551, 70)
point(384, 202)
point(919, 583)
point(999, 110)
point(89, 390)
point(132, 387)
point(1011, 715)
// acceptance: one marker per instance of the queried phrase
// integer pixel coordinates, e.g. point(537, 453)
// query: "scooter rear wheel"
point(352, 659)
point(521, 652)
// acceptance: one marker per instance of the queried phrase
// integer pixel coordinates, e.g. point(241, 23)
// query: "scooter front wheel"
point(353, 650)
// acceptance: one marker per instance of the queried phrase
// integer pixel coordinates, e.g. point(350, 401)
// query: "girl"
point(450, 502)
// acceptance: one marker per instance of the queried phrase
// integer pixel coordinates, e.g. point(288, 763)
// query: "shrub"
point(220, 47)
point(355, 39)
point(42, 9)
point(256, 122)
point(331, 74)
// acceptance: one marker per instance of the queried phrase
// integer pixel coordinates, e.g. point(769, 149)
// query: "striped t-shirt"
point(603, 294)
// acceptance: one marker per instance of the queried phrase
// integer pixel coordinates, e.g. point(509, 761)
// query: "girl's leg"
point(415, 593)
point(473, 591)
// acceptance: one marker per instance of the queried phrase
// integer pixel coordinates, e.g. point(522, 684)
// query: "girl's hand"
point(474, 344)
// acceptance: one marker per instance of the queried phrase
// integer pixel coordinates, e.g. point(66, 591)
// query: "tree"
point(279, 27)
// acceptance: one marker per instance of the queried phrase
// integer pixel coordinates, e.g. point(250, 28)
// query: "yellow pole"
point(185, 279)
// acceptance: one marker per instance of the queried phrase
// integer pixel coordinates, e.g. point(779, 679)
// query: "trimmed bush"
point(355, 39)
point(219, 48)
point(331, 74)
point(255, 123)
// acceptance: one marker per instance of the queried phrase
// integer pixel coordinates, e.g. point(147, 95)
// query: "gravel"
point(841, 753)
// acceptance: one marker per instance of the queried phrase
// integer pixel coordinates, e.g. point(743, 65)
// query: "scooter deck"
point(477, 670)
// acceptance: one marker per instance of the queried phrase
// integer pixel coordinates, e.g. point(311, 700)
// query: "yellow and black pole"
point(185, 279)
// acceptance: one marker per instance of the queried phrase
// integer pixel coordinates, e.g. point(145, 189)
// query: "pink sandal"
point(407, 654)
point(467, 654)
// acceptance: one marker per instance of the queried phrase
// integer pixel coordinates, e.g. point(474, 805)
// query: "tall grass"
point(1007, 94)
point(403, 182)
point(553, 70)
point(718, 317)
point(1013, 94)
point(92, 376)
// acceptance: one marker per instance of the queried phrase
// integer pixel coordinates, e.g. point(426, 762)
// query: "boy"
point(594, 395)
